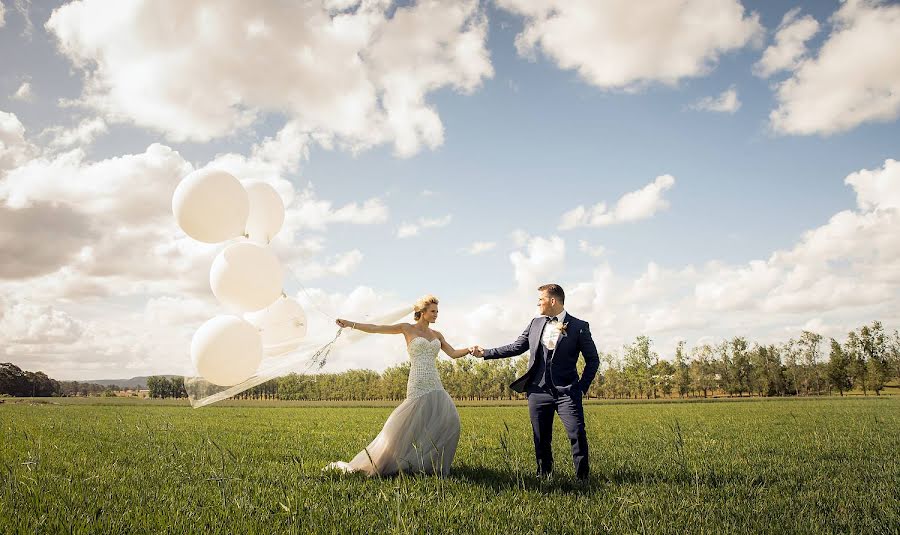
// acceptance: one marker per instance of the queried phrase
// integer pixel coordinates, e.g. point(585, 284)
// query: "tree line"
point(803, 366)
point(866, 361)
point(20, 383)
point(166, 387)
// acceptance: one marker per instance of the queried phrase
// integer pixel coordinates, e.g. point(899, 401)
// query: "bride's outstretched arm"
point(448, 349)
point(397, 328)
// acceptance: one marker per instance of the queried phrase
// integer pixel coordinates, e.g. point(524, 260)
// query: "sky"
point(687, 171)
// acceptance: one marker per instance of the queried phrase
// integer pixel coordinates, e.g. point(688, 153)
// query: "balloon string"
point(320, 357)
point(308, 297)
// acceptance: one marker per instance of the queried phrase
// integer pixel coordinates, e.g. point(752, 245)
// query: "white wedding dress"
point(422, 433)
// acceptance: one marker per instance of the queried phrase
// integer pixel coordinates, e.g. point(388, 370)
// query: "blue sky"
point(527, 135)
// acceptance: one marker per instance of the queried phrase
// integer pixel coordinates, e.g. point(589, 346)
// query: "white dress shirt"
point(551, 331)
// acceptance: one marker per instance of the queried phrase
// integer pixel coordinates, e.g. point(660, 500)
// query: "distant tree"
point(682, 370)
point(794, 373)
point(639, 358)
point(858, 369)
point(394, 381)
point(613, 376)
point(725, 369)
point(703, 370)
point(157, 386)
point(874, 344)
point(177, 387)
point(760, 371)
point(894, 354)
point(13, 381)
point(839, 368)
point(743, 372)
point(664, 372)
point(809, 347)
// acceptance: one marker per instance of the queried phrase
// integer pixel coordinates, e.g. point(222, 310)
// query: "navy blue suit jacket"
point(576, 340)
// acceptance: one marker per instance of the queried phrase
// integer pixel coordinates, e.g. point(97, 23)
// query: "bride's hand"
point(343, 324)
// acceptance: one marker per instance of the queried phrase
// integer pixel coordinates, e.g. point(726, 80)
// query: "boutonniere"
point(562, 328)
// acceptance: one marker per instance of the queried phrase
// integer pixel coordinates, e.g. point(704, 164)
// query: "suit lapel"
point(537, 332)
point(568, 319)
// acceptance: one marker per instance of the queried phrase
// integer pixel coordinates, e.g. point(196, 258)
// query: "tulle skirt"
point(420, 436)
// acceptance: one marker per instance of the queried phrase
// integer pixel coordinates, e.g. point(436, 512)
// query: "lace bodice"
point(423, 372)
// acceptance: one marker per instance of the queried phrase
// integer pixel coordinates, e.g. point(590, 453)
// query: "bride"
point(422, 433)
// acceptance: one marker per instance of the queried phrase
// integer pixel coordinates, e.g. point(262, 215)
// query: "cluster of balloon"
point(213, 206)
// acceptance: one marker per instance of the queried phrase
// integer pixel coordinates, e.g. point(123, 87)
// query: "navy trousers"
point(541, 407)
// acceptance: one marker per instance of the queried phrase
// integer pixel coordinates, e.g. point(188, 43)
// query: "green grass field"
point(777, 466)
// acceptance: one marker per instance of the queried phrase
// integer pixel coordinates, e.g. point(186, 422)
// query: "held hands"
point(477, 351)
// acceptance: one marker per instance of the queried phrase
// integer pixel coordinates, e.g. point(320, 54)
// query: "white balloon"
point(246, 277)
point(226, 350)
point(266, 211)
point(211, 206)
point(281, 324)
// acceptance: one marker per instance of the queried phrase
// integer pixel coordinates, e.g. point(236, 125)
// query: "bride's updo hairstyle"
point(422, 304)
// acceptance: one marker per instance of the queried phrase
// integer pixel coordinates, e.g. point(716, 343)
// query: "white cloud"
point(726, 102)
point(131, 188)
point(14, 148)
point(620, 44)
point(853, 80)
point(344, 69)
point(591, 250)
point(41, 238)
point(23, 7)
point(479, 247)
point(877, 189)
point(790, 44)
point(543, 260)
point(180, 310)
point(341, 265)
point(24, 92)
point(408, 230)
point(632, 206)
point(27, 323)
point(519, 237)
point(271, 159)
point(99, 348)
point(852, 260)
point(310, 212)
point(2, 15)
point(80, 136)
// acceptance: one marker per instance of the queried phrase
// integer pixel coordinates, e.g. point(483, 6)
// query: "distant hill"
point(135, 383)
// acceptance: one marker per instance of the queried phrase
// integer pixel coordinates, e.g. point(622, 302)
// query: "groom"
point(551, 384)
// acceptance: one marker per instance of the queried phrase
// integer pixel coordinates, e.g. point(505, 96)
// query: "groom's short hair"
point(555, 291)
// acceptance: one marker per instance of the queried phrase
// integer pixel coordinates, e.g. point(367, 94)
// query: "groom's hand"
point(478, 351)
